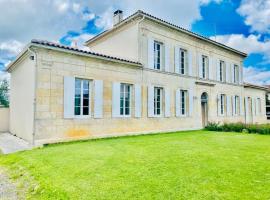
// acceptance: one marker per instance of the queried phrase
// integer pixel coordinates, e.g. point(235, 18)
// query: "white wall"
point(22, 99)
point(4, 119)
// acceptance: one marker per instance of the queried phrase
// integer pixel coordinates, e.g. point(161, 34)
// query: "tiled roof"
point(60, 46)
point(139, 12)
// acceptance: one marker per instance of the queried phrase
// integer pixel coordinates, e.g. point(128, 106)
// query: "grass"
point(184, 165)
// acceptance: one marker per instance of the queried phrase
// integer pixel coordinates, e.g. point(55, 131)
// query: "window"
point(222, 71)
point(236, 105)
point(222, 104)
point(183, 102)
point(157, 101)
point(183, 61)
point(82, 97)
point(125, 99)
point(204, 67)
point(236, 74)
point(158, 51)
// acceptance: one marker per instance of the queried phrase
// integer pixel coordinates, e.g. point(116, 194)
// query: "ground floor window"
point(183, 102)
point(82, 97)
point(158, 101)
point(125, 99)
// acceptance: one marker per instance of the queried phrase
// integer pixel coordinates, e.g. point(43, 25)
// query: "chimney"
point(117, 17)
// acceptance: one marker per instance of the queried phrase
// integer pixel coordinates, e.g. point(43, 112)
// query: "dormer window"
point(158, 55)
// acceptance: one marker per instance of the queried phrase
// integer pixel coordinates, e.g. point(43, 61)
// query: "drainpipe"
point(35, 97)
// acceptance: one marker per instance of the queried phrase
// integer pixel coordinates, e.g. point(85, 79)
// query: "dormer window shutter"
point(150, 53)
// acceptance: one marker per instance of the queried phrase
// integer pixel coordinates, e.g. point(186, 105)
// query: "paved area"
point(7, 188)
point(11, 144)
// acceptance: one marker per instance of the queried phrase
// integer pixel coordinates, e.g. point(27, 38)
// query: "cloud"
point(251, 44)
point(257, 76)
point(256, 14)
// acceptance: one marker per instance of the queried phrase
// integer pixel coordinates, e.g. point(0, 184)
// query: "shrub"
point(240, 127)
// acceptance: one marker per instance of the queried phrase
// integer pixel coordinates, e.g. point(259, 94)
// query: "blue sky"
point(241, 24)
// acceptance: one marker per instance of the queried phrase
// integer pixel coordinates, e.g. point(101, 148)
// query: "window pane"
point(85, 110)
point(85, 85)
point(78, 83)
point(77, 101)
point(85, 102)
point(77, 111)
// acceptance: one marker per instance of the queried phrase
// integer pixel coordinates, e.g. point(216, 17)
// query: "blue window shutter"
point(167, 58)
point(150, 101)
point(190, 95)
point(116, 99)
point(150, 53)
point(138, 100)
point(177, 103)
point(167, 102)
point(229, 106)
point(190, 73)
point(98, 99)
point(176, 60)
point(210, 71)
point(69, 97)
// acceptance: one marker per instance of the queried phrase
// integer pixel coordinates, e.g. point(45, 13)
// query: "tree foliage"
point(4, 93)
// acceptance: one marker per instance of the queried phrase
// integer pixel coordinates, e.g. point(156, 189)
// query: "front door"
point(204, 108)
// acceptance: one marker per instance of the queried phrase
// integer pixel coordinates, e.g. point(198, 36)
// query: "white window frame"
point(124, 93)
point(81, 115)
point(161, 56)
point(205, 66)
point(222, 104)
point(183, 61)
point(185, 107)
point(156, 102)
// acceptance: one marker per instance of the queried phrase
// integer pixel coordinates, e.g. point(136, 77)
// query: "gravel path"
point(7, 188)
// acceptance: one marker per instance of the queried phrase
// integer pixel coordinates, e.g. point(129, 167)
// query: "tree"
point(4, 93)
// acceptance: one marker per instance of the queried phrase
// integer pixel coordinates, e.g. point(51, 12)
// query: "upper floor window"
point(222, 104)
point(236, 74)
point(125, 100)
point(183, 61)
point(236, 105)
point(183, 102)
point(205, 63)
point(82, 97)
point(158, 55)
point(222, 71)
point(158, 93)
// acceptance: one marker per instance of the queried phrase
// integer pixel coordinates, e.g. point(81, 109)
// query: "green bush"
point(239, 127)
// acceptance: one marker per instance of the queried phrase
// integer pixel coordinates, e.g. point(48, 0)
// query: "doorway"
point(204, 108)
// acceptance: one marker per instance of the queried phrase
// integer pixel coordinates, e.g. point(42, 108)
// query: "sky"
point(241, 24)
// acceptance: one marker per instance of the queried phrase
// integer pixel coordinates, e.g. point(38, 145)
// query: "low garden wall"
point(4, 119)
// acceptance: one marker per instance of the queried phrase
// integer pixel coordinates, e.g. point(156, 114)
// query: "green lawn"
point(184, 165)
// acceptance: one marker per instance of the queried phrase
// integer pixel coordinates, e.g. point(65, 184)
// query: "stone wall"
point(4, 119)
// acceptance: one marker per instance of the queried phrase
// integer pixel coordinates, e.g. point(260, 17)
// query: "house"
point(144, 75)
